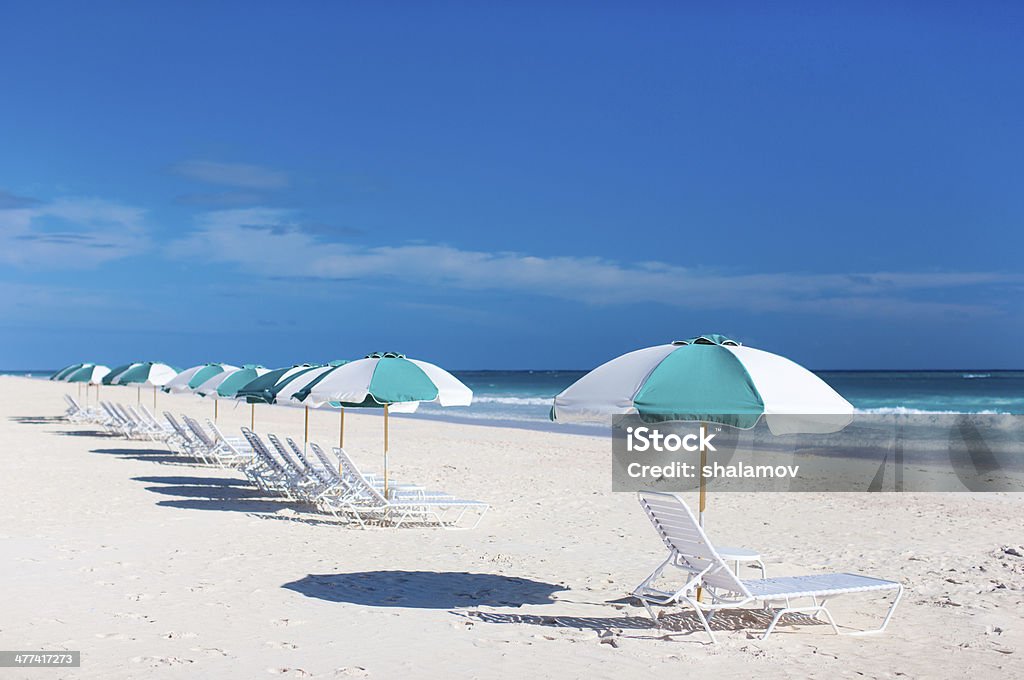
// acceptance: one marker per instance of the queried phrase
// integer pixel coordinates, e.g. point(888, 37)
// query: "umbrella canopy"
point(225, 385)
point(385, 378)
point(707, 379)
point(265, 388)
point(108, 379)
point(303, 384)
point(191, 378)
point(67, 370)
point(91, 374)
point(149, 373)
point(711, 379)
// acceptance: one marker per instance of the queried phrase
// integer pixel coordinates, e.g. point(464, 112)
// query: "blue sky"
point(510, 185)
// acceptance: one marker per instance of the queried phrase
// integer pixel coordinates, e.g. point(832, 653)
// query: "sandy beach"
point(155, 568)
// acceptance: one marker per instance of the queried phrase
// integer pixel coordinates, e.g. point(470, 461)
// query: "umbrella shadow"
point(682, 623)
point(425, 589)
point(214, 493)
point(86, 433)
point(152, 455)
point(37, 420)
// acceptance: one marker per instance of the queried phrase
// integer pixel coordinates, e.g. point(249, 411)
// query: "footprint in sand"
point(282, 645)
point(285, 623)
point(351, 672)
point(290, 672)
point(114, 636)
point(158, 661)
point(174, 635)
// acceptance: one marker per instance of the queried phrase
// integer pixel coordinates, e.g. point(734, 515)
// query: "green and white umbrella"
point(191, 378)
point(108, 379)
point(153, 374)
point(707, 379)
point(87, 374)
point(265, 388)
point(384, 380)
point(90, 374)
point(226, 384)
point(297, 390)
point(66, 371)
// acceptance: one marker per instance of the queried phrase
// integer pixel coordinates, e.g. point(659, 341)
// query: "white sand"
point(153, 568)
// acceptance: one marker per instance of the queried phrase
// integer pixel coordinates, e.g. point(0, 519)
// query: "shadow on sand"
point(425, 589)
point(152, 455)
point(215, 493)
point(675, 623)
point(37, 420)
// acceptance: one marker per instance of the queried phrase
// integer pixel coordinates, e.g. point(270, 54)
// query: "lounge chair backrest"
point(289, 463)
point(135, 416)
point(150, 418)
point(354, 478)
point(182, 432)
point(330, 468)
point(218, 435)
point(199, 432)
point(262, 452)
point(679, 529)
point(357, 483)
point(121, 415)
point(311, 468)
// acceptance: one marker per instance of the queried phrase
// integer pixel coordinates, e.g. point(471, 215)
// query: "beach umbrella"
point(191, 378)
point(146, 373)
point(108, 379)
point(87, 374)
point(67, 370)
point(707, 379)
point(383, 380)
point(299, 388)
point(226, 384)
point(265, 388)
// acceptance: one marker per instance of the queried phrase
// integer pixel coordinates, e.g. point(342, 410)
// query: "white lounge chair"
point(364, 501)
point(691, 552)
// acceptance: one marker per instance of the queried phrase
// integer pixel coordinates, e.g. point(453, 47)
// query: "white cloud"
point(70, 233)
point(271, 243)
point(242, 175)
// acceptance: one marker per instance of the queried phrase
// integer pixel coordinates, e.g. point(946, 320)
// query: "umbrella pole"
point(252, 417)
point(138, 394)
point(703, 479)
point(385, 450)
point(215, 409)
point(305, 442)
point(703, 486)
point(341, 430)
point(154, 397)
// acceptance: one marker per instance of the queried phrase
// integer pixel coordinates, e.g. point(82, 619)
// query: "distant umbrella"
point(67, 370)
point(191, 378)
point(87, 374)
point(299, 388)
point(225, 385)
point(108, 379)
point(149, 374)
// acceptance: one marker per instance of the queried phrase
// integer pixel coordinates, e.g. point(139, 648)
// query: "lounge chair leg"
point(885, 621)
point(775, 620)
point(703, 620)
point(650, 612)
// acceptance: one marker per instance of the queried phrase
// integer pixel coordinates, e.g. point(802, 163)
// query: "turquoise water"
point(526, 395)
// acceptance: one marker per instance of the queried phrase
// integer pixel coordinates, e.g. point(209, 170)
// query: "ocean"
point(524, 397)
